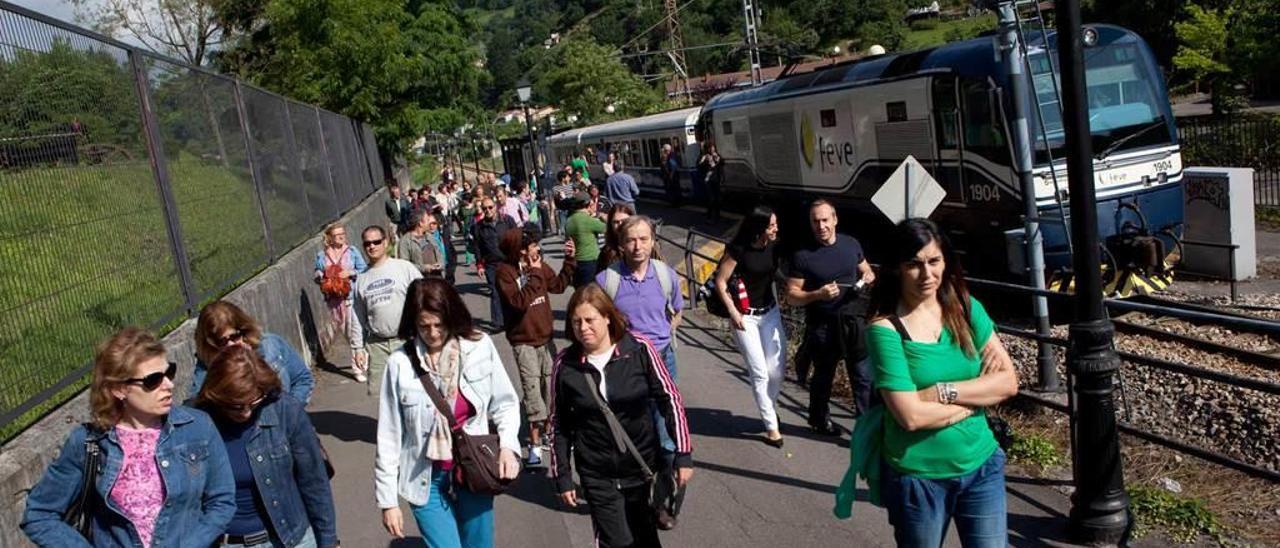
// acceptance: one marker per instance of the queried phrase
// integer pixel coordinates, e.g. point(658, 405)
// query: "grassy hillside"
point(927, 33)
point(86, 252)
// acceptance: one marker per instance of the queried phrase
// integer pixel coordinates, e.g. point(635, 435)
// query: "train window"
point(828, 117)
point(983, 132)
point(896, 111)
point(727, 127)
point(652, 152)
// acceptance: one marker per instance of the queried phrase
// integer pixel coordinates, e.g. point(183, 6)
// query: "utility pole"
point(1099, 506)
point(751, 16)
point(675, 40)
point(1012, 53)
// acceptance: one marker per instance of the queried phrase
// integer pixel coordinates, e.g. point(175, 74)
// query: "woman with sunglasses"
point(163, 479)
point(414, 456)
point(282, 490)
point(222, 325)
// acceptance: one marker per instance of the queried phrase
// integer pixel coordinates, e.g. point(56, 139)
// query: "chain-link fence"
point(134, 188)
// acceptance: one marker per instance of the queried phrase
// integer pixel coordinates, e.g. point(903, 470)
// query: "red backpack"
point(333, 285)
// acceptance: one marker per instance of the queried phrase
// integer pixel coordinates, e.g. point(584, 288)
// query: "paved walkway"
point(744, 493)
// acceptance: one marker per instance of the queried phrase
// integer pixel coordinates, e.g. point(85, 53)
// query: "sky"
point(58, 9)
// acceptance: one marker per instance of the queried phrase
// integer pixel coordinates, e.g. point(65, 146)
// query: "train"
point(840, 131)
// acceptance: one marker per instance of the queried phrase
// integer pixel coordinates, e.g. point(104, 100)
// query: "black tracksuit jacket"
point(635, 380)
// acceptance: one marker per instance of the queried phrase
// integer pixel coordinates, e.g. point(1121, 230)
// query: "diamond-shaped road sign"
point(910, 192)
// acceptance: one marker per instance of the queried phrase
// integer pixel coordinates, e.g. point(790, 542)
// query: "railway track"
point(1268, 359)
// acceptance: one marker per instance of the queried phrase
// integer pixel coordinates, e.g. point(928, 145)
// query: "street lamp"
point(524, 91)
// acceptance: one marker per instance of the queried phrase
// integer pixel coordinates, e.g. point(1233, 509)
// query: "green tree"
point(1203, 44)
point(583, 77)
point(381, 61)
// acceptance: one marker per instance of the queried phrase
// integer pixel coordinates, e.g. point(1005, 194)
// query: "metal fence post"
point(328, 167)
point(160, 169)
point(688, 266)
point(253, 173)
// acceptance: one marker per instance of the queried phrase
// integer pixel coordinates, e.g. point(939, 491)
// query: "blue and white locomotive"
point(839, 132)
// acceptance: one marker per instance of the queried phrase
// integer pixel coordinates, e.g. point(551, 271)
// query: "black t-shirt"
point(823, 264)
point(757, 268)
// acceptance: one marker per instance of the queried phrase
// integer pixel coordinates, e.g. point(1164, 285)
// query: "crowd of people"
point(239, 463)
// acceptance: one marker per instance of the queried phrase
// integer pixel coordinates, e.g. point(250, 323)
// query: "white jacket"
point(406, 416)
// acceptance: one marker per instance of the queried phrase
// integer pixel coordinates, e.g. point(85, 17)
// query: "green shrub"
point(1034, 449)
point(1183, 519)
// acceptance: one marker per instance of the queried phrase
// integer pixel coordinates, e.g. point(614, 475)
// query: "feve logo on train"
point(829, 154)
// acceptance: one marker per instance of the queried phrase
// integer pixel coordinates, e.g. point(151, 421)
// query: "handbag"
point(475, 458)
point(709, 294)
point(663, 490)
point(80, 514)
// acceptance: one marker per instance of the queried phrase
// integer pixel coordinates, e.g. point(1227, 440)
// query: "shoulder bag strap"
point(81, 509)
point(898, 325)
point(436, 397)
point(620, 436)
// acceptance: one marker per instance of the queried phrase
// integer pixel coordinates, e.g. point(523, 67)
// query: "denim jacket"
point(406, 417)
point(283, 359)
point(199, 497)
point(288, 469)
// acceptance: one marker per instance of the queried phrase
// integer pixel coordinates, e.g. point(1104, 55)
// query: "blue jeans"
point(920, 509)
point(495, 302)
point(448, 522)
point(668, 359)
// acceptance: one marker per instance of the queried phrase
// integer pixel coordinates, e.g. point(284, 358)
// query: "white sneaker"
point(534, 456)
point(361, 378)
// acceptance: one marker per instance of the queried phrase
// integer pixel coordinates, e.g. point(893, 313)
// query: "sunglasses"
point(489, 208)
point(154, 380)
point(371, 243)
point(235, 337)
point(244, 407)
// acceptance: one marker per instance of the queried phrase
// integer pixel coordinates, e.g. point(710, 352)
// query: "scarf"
point(449, 368)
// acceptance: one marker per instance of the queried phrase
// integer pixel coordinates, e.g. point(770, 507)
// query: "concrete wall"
point(283, 298)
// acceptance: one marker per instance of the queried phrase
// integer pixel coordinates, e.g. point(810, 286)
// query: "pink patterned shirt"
point(139, 490)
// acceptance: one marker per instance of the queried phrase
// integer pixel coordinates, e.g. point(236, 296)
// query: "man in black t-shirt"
point(828, 280)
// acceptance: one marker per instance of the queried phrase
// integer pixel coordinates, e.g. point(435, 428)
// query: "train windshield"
point(1125, 102)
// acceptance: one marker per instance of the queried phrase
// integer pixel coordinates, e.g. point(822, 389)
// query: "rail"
point(1191, 313)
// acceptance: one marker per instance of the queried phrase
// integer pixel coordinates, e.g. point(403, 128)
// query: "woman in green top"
point(938, 365)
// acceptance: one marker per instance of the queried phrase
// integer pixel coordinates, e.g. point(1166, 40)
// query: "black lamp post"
point(525, 91)
point(1099, 506)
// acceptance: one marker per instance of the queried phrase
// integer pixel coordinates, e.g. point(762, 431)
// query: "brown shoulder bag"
point(475, 458)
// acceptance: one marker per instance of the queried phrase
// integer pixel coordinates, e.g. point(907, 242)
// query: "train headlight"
point(1090, 37)
point(1162, 177)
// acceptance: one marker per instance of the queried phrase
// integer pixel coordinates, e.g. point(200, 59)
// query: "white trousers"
point(763, 343)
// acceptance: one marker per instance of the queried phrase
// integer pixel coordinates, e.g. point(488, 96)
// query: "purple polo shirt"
point(644, 305)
